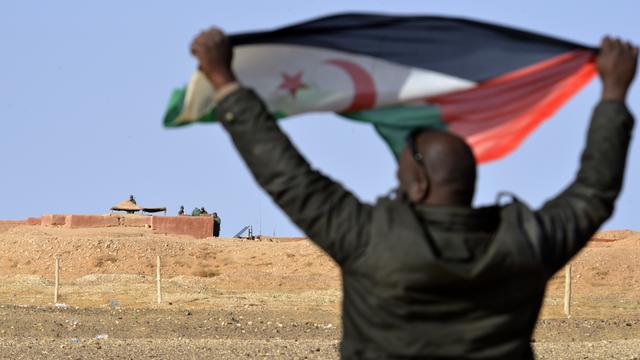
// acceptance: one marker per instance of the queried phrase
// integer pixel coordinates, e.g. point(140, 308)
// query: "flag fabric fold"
point(491, 84)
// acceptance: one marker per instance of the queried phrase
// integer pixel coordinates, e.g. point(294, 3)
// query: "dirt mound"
point(615, 235)
point(603, 271)
point(95, 255)
point(606, 267)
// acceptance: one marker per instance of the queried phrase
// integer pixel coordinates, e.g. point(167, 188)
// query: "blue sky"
point(83, 87)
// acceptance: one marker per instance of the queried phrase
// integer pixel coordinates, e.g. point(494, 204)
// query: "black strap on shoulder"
point(506, 195)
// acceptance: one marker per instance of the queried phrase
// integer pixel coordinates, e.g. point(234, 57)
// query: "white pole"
point(159, 290)
point(56, 280)
point(567, 290)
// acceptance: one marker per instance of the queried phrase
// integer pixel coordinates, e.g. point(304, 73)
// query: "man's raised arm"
point(330, 215)
point(571, 218)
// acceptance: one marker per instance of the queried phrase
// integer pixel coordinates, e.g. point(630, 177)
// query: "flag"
point(492, 85)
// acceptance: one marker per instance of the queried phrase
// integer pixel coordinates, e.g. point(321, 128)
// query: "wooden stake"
point(56, 280)
point(158, 281)
point(567, 290)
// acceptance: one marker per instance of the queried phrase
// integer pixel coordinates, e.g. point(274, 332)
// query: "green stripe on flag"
point(174, 108)
point(394, 123)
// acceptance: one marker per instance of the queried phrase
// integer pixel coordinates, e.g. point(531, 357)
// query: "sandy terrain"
point(229, 299)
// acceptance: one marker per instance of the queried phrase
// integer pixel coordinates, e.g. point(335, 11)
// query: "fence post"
point(567, 289)
point(159, 290)
point(56, 280)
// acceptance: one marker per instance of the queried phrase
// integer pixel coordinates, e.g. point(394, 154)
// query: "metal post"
point(567, 290)
point(56, 280)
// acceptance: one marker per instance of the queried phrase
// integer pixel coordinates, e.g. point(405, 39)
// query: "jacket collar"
point(458, 218)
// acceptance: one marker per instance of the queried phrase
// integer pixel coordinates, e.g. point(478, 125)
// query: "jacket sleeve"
point(571, 218)
point(330, 215)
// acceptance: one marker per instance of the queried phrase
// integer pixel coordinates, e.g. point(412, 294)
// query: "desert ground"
point(268, 298)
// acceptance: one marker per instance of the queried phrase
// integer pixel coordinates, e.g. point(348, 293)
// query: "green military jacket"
point(435, 282)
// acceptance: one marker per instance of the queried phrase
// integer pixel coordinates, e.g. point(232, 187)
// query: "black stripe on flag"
point(463, 48)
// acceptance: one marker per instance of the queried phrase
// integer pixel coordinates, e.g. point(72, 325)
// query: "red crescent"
point(364, 88)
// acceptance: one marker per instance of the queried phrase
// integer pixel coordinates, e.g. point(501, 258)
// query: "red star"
point(292, 83)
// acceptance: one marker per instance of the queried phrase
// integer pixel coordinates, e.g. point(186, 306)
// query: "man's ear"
point(418, 189)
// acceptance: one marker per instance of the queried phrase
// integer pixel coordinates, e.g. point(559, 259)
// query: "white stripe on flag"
point(293, 79)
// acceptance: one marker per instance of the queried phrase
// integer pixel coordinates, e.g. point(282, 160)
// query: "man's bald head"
point(445, 172)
